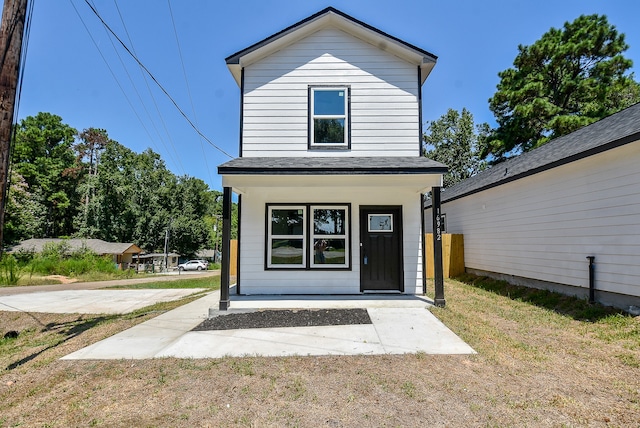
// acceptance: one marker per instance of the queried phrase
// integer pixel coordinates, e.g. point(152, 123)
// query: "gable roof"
point(613, 131)
point(97, 245)
point(331, 17)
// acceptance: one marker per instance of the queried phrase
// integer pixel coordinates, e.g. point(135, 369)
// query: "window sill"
point(315, 269)
point(329, 147)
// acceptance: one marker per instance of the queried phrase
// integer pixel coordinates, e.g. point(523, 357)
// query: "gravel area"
point(286, 318)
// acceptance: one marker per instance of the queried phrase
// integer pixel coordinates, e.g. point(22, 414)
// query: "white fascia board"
point(417, 182)
point(331, 19)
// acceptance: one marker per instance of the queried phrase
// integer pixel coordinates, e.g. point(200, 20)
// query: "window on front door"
point(329, 117)
point(308, 236)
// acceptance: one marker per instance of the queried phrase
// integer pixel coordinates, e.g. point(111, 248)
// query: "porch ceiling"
point(420, 183)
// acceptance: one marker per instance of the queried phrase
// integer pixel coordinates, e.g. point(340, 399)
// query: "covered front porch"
point(284, 203)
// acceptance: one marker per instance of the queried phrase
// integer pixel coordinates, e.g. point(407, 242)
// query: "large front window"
point(329, 117)
point(308, 236)
point(287, 237)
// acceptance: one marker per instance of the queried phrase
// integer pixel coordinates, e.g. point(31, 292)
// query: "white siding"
point(384, 98)
point(544, 226)
point(254, 279)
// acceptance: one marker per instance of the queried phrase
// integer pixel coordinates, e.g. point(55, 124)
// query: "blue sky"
point(66, 74)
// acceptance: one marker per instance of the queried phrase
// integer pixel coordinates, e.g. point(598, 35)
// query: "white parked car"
point(193, 265)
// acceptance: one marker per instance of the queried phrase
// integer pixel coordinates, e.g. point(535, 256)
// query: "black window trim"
point(308, 251)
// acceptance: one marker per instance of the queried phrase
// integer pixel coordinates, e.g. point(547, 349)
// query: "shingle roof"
point(234, 58)
point(97, 245)
point(613, 131)
point(331, 166)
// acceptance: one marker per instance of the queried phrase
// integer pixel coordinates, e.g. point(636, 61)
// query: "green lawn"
point(212, 282)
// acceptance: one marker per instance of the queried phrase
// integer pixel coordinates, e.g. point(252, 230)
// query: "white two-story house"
point(330, 176)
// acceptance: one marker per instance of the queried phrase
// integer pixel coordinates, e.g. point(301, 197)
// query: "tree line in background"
point(86, 185)
point(569, 78)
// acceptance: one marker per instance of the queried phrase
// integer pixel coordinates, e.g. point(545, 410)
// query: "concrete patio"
point(400, 324)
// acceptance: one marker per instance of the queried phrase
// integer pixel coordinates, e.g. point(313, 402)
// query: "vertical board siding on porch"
point(544, 226)
point(254, 278)
point(384, 98)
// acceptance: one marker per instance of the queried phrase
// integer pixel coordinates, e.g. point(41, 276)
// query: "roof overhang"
point(416, 173)
point(331, 17)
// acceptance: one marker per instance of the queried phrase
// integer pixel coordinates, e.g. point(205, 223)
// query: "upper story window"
point(329, 122)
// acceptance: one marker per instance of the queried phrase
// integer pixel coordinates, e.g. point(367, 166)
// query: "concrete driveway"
point(94, 297)
point(91, 301)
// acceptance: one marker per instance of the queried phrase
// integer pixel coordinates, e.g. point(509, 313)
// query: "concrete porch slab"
point(401, 324)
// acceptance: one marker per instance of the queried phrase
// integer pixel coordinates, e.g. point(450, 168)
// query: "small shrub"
point(43, 266)
point(9, 270)
point(23, 257)
point(58, 259)
point(55, 250)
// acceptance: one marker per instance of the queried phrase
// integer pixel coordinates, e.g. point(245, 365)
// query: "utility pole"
point(166, 248)
point(14, 13)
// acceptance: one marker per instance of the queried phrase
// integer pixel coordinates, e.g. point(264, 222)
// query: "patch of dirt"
point(63, 279)
point(286, 318)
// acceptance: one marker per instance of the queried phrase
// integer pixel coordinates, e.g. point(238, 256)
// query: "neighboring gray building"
point(122, 253)
point(534, 219)
point(156, 261)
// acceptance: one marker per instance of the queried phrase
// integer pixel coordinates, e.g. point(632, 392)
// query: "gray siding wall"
point(544, 226)
point(384, 98)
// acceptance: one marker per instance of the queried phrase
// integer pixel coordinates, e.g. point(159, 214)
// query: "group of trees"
point(65, 183)
point(569, 78)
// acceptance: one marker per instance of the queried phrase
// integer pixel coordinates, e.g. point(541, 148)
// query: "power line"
point(186, 81)
point(111, 71)
point(175, 159)
point(195, 128)
point(23, 60)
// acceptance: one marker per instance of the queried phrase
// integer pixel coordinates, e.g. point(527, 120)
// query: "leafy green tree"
point(22, 213)
point(92, 142)
point(193, 197)
point(44, 158)
point(189, 228)
point(154, 199)
point(569, 78)
point(453, 140)
point(214, 220)
point(188, 235)
point(94, 187)
point(112, 212)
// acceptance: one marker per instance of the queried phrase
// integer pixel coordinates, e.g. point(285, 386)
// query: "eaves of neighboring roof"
point(613, 131)
point(96, 245)
point(330, 17)
point(331, 166)
point(156, 255)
